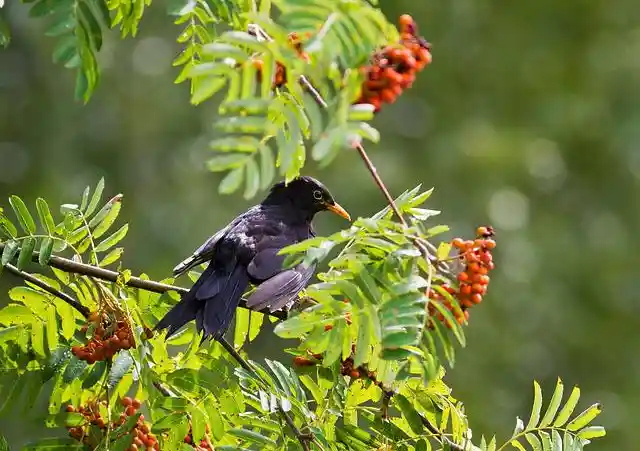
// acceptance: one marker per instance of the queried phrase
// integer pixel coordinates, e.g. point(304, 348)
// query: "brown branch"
point(73, 267)
point(435, 431)
point(84, 311)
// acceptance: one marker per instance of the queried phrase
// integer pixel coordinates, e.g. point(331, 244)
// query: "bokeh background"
point(528, 119)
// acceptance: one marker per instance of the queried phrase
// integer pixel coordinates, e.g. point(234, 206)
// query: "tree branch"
point(435, 431)
point(73, 267)
point(84, 311)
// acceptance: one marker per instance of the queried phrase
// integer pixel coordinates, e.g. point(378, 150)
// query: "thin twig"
point(162, 389)
point(435, 431)
point(84, 311)
point(302, 438)
point(71, 266)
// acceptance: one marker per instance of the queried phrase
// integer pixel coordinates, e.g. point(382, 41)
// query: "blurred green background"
point(528, 119)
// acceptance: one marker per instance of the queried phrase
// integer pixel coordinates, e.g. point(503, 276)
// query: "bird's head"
point(306, 195)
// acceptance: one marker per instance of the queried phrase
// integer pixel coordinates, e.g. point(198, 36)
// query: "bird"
point(246, 252)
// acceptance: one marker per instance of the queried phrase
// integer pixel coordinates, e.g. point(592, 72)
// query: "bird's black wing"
point(282, 289)
point(277, 286)
point(205, 252)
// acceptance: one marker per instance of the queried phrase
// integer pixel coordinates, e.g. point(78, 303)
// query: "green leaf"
point(255, 323)
point(251, 436)
point(267, 166)
point(114, 239)
point(109, 219)
point(198, 423)
point(10, 250)
point(120, 367)
point(241, 328)
point(516, 444)
point(221, 50)
point(244, 39)
point(22, 213)
point(231, 182)
point(65, 49)
point(103, 216)
point(535, 443)
point(568, 408)
point(59, 357)
point(26, 253)
point(85, 198)
point(556, 441)
point(586, 417)
point(227, 161)
point(592, 432)
point(16, 314)
point(556, 399)
point(295, 326)
point(51, 327)
point(46, 248)
point(537, 405)
point(37, 338)
point(74, 369)
point(112, 256)
point(546, 441)
point(252, 179)
point(170, 421)
point(206, 87)
point(45, 215)
point(7, 227)
point(95, 199)
point(363, 344)
point(215, 420)
point(91, 25)
point(54, 444)
point(5, 35)
point(409, 412)
point(247, 144)
point(95, 374)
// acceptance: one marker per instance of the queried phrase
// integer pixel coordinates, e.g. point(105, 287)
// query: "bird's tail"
point(212, 302)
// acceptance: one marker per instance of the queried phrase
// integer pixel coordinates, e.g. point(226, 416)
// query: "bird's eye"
point(317, 194)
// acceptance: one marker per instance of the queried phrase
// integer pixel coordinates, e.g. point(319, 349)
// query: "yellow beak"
point(337, 209)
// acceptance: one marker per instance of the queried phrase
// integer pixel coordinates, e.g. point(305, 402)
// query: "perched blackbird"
point(246, 251)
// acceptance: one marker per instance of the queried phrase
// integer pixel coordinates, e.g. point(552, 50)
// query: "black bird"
point(246, 251)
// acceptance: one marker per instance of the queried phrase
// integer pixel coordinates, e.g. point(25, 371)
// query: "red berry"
point(126, 401)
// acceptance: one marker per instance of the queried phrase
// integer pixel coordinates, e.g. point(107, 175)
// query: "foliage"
point(378, 270)
point(379, 384)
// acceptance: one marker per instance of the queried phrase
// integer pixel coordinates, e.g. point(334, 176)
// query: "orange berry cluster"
point(473, 279)
point(110, 335)
point(347, 367)
point(394, 68)
point(143, 439)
